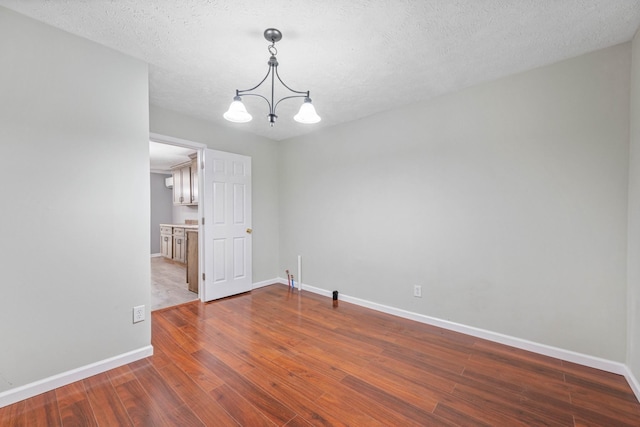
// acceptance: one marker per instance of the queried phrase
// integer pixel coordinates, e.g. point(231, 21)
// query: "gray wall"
point(506, 201)
point(75, 229)
point(264, 176)
point(161, 208)
point(633, 257)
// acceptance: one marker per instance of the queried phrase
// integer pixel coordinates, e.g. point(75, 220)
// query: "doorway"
point(174, 221)
point(220, 217)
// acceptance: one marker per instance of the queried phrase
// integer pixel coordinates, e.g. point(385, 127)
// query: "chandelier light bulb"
point(307, 113)
point(237, 112)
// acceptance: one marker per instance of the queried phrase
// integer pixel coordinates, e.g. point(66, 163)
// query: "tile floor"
point(168, 284)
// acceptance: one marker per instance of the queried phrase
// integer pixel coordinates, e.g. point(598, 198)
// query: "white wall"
point(506, 201)
point(181, 213)
point(633, 355)
point(161, 208)
point(74, 166)
point(264, 180)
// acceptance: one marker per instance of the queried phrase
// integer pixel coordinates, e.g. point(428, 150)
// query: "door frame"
point(199, 148)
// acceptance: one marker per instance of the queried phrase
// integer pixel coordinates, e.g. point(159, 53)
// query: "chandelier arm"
point(306, 93)
point(288, 97)
point(241, 92)
point(237, 112)
point(271, 109)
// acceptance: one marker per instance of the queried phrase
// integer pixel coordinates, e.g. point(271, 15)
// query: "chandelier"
point(237, 112)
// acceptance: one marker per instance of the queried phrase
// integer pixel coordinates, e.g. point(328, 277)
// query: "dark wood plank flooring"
point(275, 357)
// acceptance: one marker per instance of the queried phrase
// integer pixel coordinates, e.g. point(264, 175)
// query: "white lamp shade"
point(307, 113)
point(237, 113)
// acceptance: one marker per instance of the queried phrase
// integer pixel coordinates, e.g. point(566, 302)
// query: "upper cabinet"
point(185, 183)
point(194, 179)
point(181, 185)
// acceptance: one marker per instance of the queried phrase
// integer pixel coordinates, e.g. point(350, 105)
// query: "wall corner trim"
point(633, 382)
point(35, 388)
point(559, 353)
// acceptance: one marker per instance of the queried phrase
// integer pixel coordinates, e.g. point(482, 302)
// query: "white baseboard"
point(298, 285)
point(41, 386)
point(558, 353)
point(265, 283)
point(156, 255)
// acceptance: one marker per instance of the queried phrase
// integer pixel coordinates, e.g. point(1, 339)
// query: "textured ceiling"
point(357, 57)
point(163, 156)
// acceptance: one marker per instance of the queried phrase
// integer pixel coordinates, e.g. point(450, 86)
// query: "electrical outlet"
point(417, 291)
point(138, 313)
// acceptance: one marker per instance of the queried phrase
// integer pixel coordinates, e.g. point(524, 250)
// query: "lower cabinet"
point(173, 243)
point(166, 242)
point(179, 248)
point(181, 245)
point(192, 260)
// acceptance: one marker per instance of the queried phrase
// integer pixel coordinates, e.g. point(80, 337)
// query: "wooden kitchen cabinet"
point(185, 183)
point(179, 245)
point(194, 180)
point(173, 242)
point(182, 184)
point(192, 260)
point(166, 242)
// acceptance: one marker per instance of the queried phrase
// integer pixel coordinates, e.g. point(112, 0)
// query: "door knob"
point(249, 231)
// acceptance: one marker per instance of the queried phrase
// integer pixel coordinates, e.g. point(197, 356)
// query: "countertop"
point(186, 226)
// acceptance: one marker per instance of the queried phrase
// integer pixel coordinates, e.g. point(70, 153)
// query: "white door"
point(227, 224)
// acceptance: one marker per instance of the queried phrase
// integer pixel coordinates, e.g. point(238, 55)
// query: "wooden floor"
point(276, 357)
